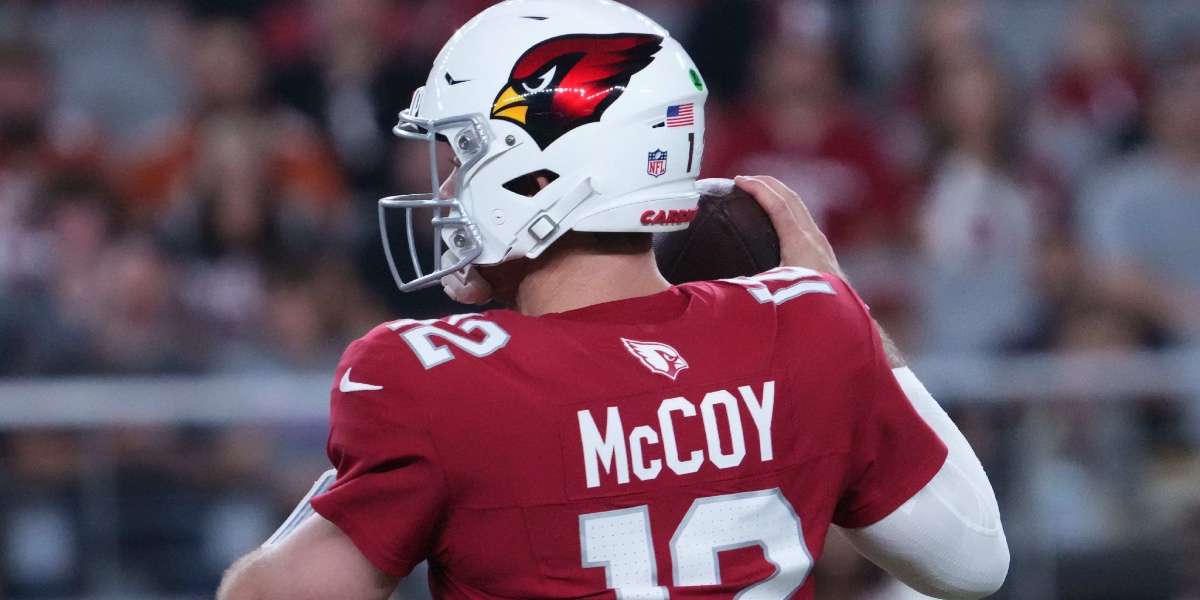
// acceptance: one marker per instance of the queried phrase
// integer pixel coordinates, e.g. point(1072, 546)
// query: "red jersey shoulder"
point(407, 365)
point(824, 295)
point(818, 304)
point(424, 357)
point(814, 313)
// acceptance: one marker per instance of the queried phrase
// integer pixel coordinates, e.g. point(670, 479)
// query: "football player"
point(613, 435)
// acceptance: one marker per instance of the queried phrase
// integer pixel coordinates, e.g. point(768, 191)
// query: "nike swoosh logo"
point(349, 386)
point(452, 81)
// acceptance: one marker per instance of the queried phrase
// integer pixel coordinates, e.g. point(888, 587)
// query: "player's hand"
point(801, 243)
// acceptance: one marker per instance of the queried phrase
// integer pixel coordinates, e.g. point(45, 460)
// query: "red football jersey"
point(695, 443)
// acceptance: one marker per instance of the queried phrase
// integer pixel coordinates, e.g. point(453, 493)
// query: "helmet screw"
point(460, 240)
point(464, 143)
point(510, 140)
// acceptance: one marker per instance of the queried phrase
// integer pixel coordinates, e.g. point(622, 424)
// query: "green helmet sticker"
point(696, 79)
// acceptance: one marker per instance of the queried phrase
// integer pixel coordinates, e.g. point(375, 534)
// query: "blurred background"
point(188, 242)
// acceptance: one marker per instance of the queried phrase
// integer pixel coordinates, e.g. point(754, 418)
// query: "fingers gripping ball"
point(732, 236)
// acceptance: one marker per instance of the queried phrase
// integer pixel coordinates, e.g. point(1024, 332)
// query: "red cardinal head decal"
point(570, 80)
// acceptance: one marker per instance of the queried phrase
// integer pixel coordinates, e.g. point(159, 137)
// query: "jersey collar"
point(642, 310)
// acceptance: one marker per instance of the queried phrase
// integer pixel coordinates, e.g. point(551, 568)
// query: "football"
point(731, 237)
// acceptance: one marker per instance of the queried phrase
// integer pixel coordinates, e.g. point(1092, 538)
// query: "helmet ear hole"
point(528, 185)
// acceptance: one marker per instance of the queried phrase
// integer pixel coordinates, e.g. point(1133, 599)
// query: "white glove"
point(466, 286)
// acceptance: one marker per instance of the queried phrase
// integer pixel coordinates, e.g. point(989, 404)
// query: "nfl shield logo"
point(656, 163)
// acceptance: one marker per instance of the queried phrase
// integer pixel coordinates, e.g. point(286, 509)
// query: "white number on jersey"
point(757, 287)
point(420, 338)
point(620, 541)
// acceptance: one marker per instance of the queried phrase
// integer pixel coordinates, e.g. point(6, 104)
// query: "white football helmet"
point(589, 94)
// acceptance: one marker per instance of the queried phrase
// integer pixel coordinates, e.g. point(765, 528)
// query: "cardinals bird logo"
point(570, 80)
point(659, 358)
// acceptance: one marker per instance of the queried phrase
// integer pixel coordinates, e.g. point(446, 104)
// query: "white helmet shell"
point(589, 94)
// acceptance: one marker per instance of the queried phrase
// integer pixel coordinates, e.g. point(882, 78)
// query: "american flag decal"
point(680, 115)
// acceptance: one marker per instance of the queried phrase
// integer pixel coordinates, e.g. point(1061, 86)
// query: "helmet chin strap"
point(466, 286)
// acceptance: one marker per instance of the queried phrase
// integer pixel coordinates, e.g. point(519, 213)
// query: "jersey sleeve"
point(390, 491)
point(894, 453)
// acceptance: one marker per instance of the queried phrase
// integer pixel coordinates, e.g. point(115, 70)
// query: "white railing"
point(230, 399)
point(192, 400)
point(1077, 376)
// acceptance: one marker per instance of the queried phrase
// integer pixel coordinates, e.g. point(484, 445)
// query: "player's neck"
point(574, 280)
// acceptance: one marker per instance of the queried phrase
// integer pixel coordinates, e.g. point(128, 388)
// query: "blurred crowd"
point(189, 187)
point(221, 218)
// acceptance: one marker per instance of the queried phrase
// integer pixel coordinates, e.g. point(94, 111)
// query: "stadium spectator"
point(802, 126)
point(1094, 100)
point(984, 214)
point(52, 314)
point(143, 330)
point(231, 112)
point(311, 308)
point(944, 32)
point(353, 78)
point(1140, 223)
point(351, 66)
point(29, 154)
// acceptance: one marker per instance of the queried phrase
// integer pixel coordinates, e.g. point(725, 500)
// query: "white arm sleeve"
point(946, 541)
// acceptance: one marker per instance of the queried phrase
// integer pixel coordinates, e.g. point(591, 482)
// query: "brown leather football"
point(731, 236)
